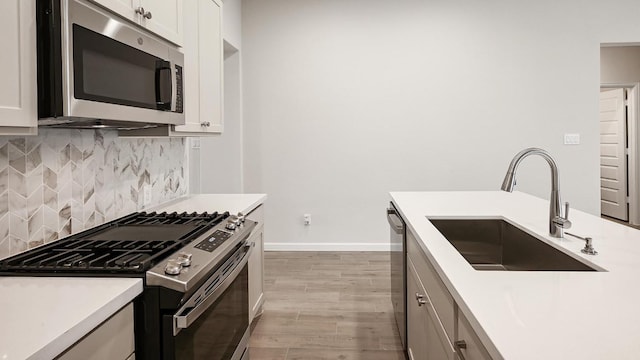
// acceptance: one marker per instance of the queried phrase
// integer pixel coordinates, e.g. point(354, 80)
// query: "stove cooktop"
point(128, 246)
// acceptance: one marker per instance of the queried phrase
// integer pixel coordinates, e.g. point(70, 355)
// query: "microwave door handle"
point(163, 78)
point(175, 87)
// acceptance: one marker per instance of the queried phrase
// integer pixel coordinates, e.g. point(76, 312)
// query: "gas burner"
point(131, 244)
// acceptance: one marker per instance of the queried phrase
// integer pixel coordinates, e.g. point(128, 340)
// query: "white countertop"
point(538, 314)
point(233, 203)
point(42, 317)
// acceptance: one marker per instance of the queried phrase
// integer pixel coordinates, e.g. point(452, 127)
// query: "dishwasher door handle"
point(395, 221)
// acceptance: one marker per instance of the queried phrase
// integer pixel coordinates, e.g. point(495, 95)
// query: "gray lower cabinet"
point(256, 264)
point(473, 348)
point(436, 329)
point(426, 339)
point(113, 340)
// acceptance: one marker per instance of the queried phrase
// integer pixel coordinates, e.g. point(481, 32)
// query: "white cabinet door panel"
point(165, 18)
point(18, 91)
point(203, 69)
point(124, 8)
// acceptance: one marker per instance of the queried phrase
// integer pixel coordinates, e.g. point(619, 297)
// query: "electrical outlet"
point(146, 200)
point(571, 139)
point(307, 219)
point(195, 143)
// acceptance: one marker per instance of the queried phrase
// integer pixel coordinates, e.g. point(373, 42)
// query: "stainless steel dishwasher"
point(398, 270)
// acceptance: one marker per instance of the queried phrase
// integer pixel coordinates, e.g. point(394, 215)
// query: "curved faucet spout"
point(510, 178)
point(557, 222)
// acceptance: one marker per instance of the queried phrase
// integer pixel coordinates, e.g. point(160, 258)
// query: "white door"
point(613, 159)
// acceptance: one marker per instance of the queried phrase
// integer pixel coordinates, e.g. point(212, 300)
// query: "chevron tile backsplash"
point(64, 181)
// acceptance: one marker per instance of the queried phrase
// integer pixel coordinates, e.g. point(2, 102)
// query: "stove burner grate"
point(132, 244)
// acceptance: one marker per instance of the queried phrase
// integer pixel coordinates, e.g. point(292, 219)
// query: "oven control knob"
point(230, 226)
point(184, 259)
point(241, 217)
point(234, 219)
point(173, 267)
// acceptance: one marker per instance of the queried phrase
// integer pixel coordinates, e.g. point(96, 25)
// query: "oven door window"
point(219, 330)
point(109, 71)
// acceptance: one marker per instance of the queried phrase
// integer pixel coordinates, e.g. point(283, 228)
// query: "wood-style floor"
point(326, 305)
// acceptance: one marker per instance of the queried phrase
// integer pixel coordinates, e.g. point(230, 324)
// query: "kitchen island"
point(536, 314)
point(44, 316)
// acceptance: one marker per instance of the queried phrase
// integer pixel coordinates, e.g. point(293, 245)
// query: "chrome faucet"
point(557, 222)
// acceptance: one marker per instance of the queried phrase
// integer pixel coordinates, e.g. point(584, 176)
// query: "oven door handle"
point(184, 321)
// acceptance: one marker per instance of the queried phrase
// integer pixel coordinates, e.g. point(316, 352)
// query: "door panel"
point(613, 161)
point(18, 100)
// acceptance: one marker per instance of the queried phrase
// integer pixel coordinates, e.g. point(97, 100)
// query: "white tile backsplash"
point(64, 181)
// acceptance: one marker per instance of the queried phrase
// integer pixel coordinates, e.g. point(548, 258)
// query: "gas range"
point(129, 245)
point(194, 266)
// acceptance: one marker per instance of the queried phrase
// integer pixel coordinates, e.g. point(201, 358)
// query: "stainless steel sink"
point(495, 244)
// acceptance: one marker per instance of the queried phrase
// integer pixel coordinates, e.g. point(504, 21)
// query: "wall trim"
point(326, 246)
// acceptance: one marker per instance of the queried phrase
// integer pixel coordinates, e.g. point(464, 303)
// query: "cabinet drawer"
point(113, 339)
point(474, 349)
point(427, 339)
point(257, 215)
point(438, 294)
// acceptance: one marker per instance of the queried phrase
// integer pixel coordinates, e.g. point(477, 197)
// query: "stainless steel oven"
point(213, 323)
point(195, 303)
point(98, 70)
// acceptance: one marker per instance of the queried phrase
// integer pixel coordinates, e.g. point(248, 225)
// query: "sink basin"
point(495, 244)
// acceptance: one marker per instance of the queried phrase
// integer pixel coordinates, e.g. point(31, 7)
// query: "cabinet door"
point(256, 274)
point(113, 339)
point(18, 90)
point(210, 28)
point(417, 319)
point(124, 8)
point(256, 263)
point(472, 348)
point(164, 18)
point(203, 69)
point(426, 339)
point(441, 299)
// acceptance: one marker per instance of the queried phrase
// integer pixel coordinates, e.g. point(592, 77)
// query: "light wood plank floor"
point(326, 305)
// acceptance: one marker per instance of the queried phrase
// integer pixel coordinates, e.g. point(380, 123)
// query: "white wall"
point(347, 100)
point(232, 22)
point(620, 64)
point(220, 157)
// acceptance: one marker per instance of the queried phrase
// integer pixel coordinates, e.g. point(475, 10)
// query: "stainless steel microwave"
point(96, 70)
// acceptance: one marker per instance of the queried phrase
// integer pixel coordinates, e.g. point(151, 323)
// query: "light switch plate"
point(571, 139)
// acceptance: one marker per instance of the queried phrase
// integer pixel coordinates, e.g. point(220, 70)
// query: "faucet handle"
point(562, 221)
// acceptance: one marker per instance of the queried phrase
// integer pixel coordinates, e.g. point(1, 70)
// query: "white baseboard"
point(326, 246)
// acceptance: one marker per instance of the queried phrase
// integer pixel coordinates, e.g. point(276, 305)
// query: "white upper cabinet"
point(18, 90)
point(203, 69)
point(163, 18)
